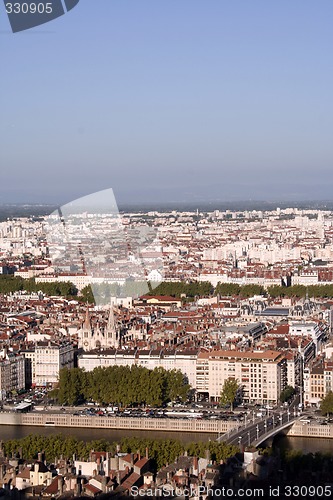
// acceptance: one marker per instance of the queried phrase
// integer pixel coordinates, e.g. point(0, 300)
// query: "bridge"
point(257, 430)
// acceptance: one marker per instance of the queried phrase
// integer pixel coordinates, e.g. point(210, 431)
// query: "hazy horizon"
point(12, 209)
point(169, 102)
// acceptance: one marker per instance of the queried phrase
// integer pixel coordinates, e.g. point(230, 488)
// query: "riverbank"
point(128, 424)
point(119, 423)
point(310, 430)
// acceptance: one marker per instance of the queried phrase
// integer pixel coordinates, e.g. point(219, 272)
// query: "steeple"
point(111, 321)
point(111, 333)
point(85, 335)
point(87, 324)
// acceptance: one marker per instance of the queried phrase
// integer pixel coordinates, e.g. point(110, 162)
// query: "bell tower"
point(112, 334)
point(86, 333)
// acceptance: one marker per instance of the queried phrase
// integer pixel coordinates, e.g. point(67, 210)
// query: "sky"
point(169, 101)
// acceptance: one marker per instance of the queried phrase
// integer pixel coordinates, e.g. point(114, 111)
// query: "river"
point(306, 445)
point(112, 435)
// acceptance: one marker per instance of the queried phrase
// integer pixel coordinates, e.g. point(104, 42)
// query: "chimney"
point(147, 452)
point(104, 480)
point(60, 485)
point(138, 454)
point(40, 457)
point(132, 459)
point(195, 466)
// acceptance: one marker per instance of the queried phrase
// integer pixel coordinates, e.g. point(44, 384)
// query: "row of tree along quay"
point(122, 385)
point(186, 291)
point(139, 386)
point(11, 284)
point(162, 451)
point(190, 291)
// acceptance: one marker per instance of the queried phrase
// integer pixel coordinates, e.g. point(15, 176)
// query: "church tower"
point(112, 333)
point(86, 333)
point(91, 338)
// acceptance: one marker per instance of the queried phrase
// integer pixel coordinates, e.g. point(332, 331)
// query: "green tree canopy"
point(326, 406)
point(227, 289)
point(162, 451)
point(229, 392)
point(123, 385)
point(287, 393)
point(10, 284)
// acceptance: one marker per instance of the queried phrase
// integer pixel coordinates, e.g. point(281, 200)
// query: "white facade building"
point(261, 375)
point(185, 361)
point(47, 359)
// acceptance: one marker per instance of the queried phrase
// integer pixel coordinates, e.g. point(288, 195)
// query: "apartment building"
point(318, 381)
point(80, 281)
point(294, 368)
point(262, 375)
point(12, 374)
point(46, 359)
point(317, 331)
point(172, 359)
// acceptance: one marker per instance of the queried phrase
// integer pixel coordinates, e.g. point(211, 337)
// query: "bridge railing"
point(258, 430)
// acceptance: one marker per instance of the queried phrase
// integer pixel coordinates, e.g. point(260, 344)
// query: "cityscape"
point(232, 340)
point(166, 249)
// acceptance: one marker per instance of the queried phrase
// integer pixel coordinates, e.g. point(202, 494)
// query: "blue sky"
point(169, 100)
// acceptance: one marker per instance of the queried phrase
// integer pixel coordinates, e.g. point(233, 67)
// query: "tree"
point(176, 386)
point(124, 385)
point(287, 393)
point(251, 290)
point(275, 291)
point(227, 289)
point(87, 295)
point(327, 404)
point(160, 451)
point(229, 392)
